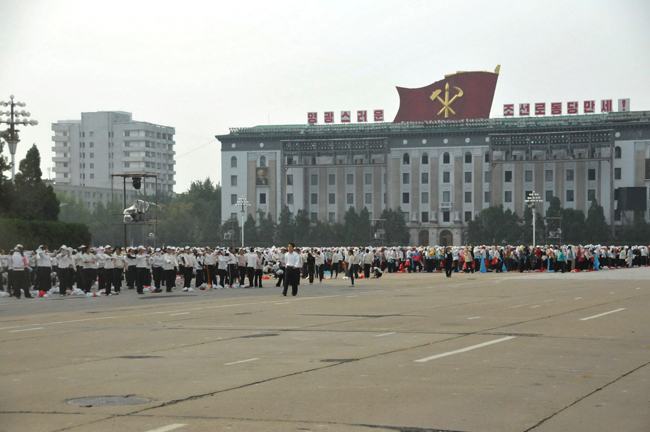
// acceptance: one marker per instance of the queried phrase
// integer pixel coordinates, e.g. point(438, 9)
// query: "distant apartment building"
point(89, 151)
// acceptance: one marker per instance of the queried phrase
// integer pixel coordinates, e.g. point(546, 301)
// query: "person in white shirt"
point(210, 261)
point(251, 260)
point(169, 268)
point(320, 265)
point(222, 267)
point(141, 268)
point(280, 259)
point(259, 265)
point(44, 259)
point(368, 260)
point(189, 262)
point(19, 263)
point(109, 266)
point(88, 262)
point(337, 257)
point(157, 269)
point(119, 263)
point(101, 269)
point(66, 270)
point(293, 266)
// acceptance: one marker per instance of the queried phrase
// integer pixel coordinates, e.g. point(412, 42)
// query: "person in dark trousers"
point(282, 273)
point(449, 260)
point(130, 268)
point(119, 262)
point(311, 266)
point(293, 266)
point(19, 263)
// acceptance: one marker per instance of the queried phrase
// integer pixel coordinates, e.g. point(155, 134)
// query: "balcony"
point(62, 180)
point(61, 169)
point(445, 206)
point(61, 159)
point(61, 149)
point(59, 138)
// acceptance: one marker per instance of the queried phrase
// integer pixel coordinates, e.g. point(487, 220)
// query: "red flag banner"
point(463, 95)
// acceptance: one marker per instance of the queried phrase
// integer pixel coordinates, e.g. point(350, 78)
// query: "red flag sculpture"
point(463, 95)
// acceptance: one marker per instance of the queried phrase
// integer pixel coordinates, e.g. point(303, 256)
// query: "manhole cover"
point(90, 402)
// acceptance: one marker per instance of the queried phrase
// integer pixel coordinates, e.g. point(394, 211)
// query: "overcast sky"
point(203, 67)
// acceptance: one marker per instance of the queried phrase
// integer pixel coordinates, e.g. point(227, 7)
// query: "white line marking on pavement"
point(182, 313)
point(602, 314)
point(577, 298)
point(353, 296)
point(385, 334)
point(473, 347)
point(168, 428)
point(612, 292)
point(282, 303)
point(37, 328)
point(474, 318)
point(241, 361)
point(514, 307)
point(533, 307)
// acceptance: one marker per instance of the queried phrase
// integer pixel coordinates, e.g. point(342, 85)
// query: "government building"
point(440, 168)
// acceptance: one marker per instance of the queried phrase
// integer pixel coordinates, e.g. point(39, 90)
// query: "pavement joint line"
point(533, 307)
point(462, 350)
point(473, 318)
point(168, 428)
point(241, 361)
point(29, 329)
point(385, 334)
point(602, 314)
point(586, 396)
point(181, 313)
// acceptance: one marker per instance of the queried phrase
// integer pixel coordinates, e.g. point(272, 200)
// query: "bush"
point(32, 233)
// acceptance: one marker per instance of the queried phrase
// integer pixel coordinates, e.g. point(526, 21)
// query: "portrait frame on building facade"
point(261, 176)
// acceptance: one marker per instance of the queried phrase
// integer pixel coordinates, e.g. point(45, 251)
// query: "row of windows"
point(446, 158)
point(549, 174)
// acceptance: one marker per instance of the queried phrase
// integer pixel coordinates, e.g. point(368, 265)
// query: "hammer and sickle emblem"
point(446, 103)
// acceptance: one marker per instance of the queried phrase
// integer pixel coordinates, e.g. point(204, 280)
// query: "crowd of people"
point(107, 269)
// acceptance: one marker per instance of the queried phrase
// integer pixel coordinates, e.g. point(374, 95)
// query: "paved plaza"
point(406, 352)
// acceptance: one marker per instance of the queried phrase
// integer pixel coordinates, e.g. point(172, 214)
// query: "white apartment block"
point(88, 151)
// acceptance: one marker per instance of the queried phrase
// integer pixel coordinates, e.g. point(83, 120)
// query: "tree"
point(301, 236)
point(596, 228)
point(267, 230)
point(32, 198)
point(286, 226)
point(5, 184)
point(396, 232)
point(251, 234)
point(573, 226)
point(495, 226)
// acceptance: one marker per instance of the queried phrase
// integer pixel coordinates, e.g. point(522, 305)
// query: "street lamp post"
point(11, 134)
point(243, 202)
point(532, 199)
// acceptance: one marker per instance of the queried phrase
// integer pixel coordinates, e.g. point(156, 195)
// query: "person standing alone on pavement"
point(293, 266)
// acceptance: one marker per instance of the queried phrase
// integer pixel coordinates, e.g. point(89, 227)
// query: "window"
point(406, 178)
point(289, 199)
point(350, 198)
point(368, 198)
point(92, 166)
point(406, 159)
point(331, 198)
point(92, 155)
point(570, 175)
point(617, 152)
point(468, 216)
point(262, 161)
point(446, 177)
point(92, 176)
point(548, 175)
point(528, 176)
point(468, 157)
point(446, 196)
point(591, 194)
point(126, 134)
point(508, 176)
point(405, 198)
point(425, 178)
point(314, 179)
point(487, 157)
point(368, 178)
point(527, 194)
point(591, 174)
point(446, 216)
point(314, 217)
point(425, 217)
point(233, 162)
point(468, 176)
point(425, 197)
point(331, 217)
point(548, 195)
point(314, 198)
point(617, 173)
point(263, 198)
point(508, 197)
point(445, 158)
point(289, 179)
point(488, 176)
point(233, 199)
point(92, 144)
point(350, 179)
point(425, 159)
point(233, 180)
point(332, 179)
point(468, 197)
point(91, 133)
point(569, 195)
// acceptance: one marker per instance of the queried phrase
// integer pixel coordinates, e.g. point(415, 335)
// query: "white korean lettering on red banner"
point(329, 116)
point(623, 105)
point(572, 107)
point(589, 107)
point(540, 108)
point(508, 110)
point(524, 109)
point(312, 117)
point(379, 115)
point(345, 116)
point(556, 108)
point(362, 116)
point(606, 105)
